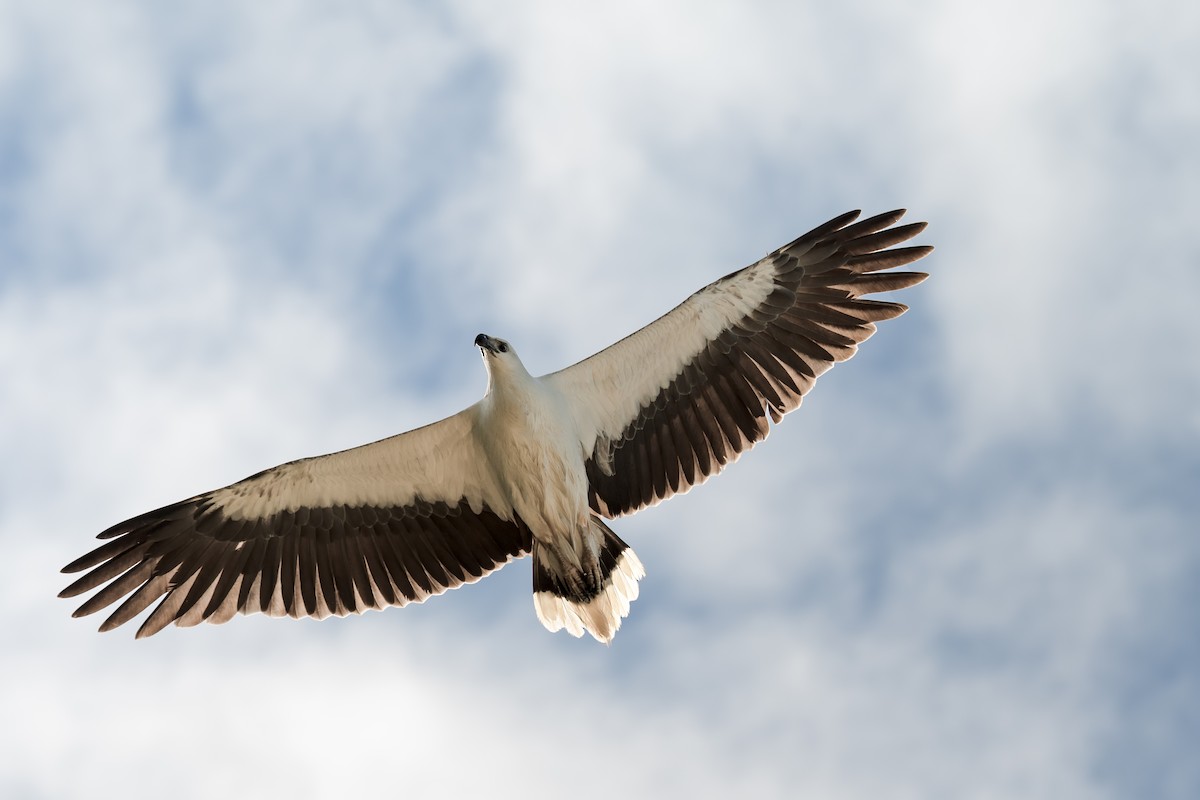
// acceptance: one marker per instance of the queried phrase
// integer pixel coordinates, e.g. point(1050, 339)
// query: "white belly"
point(535, 451)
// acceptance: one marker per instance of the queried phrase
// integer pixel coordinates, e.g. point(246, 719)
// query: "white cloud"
point(1063, 248)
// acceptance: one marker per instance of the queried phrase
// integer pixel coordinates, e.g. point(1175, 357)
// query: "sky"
point(235, 234)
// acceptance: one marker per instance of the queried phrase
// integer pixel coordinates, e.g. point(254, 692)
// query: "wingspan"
point(670, 405)
point(384, 524)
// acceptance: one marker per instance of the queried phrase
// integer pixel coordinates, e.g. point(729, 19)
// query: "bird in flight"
point(534, 468)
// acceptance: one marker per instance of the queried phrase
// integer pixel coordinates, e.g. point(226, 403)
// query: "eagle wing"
point(384, 524)
point(669, 406)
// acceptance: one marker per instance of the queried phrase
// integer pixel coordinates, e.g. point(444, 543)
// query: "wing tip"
point(78, 565)
point(147, 629)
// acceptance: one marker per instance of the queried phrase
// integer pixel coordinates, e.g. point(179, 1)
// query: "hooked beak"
point(486, 343)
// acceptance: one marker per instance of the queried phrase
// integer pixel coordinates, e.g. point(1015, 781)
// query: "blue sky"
point(237, 234)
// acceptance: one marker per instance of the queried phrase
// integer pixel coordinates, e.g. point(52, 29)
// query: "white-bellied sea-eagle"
point(535, 467)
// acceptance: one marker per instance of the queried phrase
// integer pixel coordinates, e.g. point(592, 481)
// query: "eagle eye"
point(502, 347)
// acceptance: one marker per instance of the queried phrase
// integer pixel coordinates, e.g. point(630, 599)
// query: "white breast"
point(530, 439)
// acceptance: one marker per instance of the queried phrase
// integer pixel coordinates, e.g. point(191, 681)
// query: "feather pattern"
point(674, 403)
point(388, 523)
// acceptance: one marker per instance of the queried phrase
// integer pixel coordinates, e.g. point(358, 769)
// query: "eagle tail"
point(594, 597)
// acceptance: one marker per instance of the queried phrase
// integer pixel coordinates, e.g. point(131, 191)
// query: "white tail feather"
point(601, 616)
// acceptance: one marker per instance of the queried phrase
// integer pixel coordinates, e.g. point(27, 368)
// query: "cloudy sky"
point(233, 234)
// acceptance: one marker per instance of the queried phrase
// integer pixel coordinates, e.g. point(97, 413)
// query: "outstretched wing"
point(384, 524)
point(670, 405)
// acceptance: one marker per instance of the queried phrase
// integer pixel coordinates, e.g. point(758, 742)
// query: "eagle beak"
point(485, 342)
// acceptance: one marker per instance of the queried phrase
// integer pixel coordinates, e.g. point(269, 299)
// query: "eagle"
point(534, 468)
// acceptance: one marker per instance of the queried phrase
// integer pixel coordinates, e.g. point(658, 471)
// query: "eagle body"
point(526, 428)
point(534, 468)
